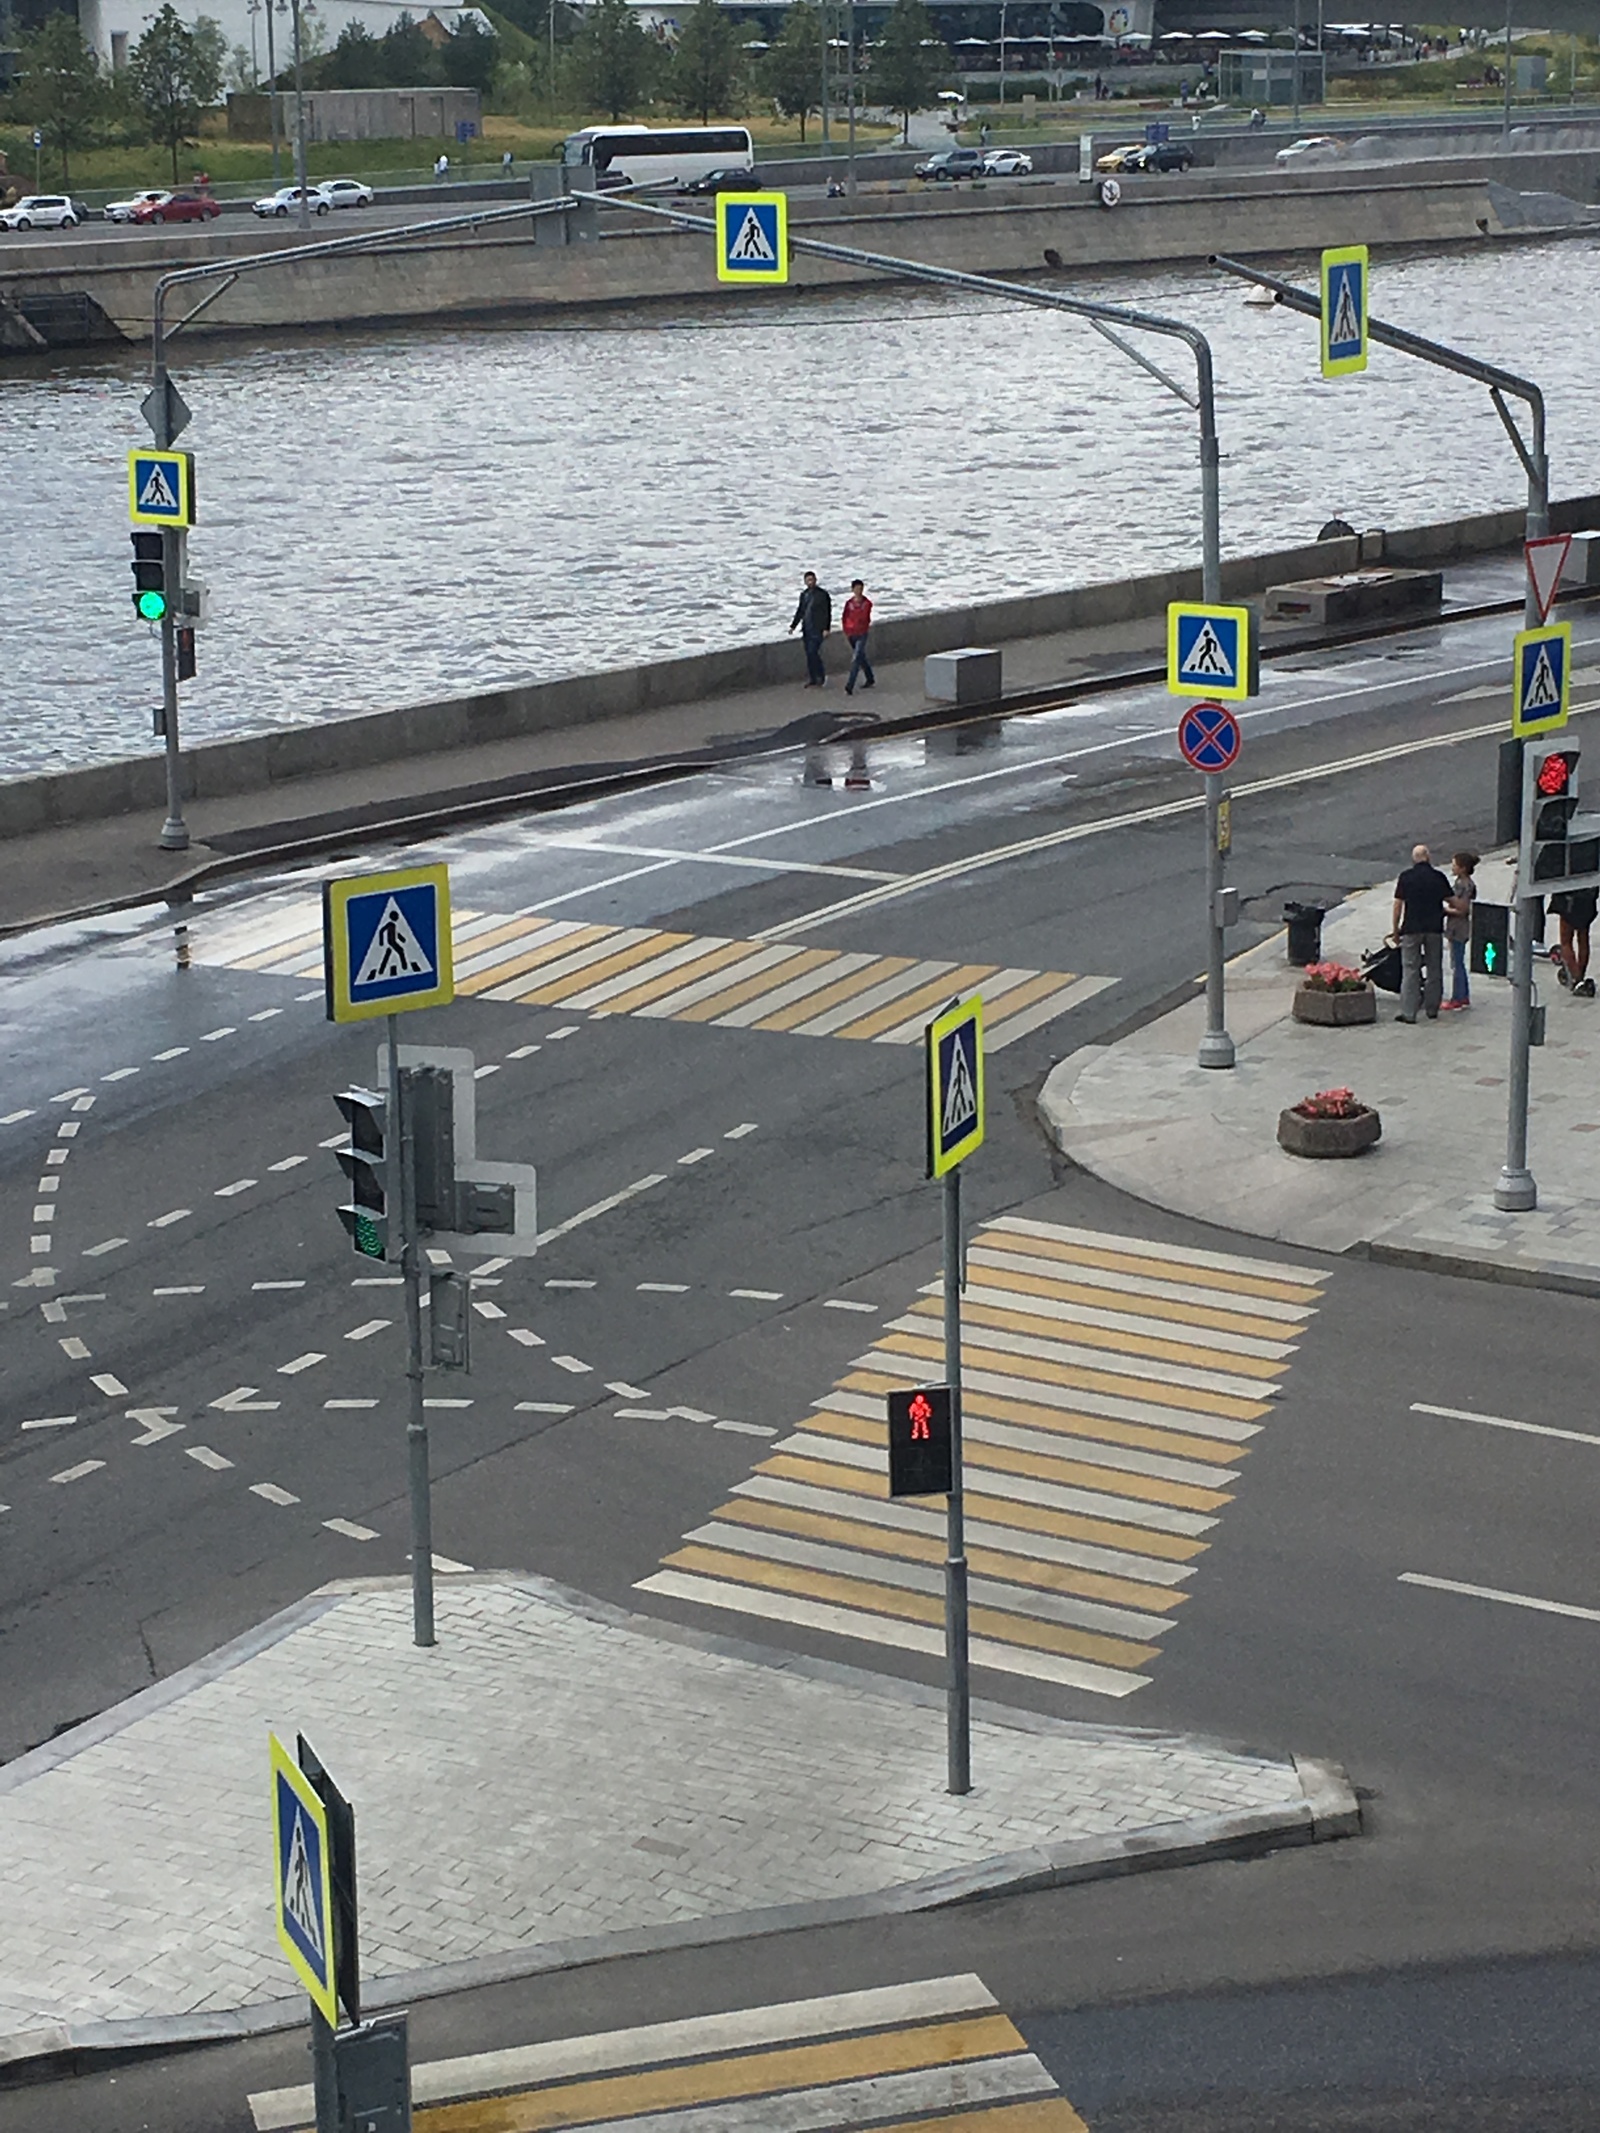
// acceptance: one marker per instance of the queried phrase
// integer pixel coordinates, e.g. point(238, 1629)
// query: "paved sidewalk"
point(554, 1781)
point(1142, 1115)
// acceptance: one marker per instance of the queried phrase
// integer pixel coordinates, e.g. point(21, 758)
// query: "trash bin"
point(1305, 932)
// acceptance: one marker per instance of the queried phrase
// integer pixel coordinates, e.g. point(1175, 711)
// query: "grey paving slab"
point(1142, 1115)
point(554, 1771)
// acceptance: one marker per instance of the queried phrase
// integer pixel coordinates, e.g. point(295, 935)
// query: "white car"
point(125, 210)
point(345, 192)
point(1321, 147)
point(42, 211)
point(1007, 163)
point(286, 200)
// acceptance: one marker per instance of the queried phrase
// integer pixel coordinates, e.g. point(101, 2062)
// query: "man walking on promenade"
point(813, 618)
point(856, 621)
point(1420, 896)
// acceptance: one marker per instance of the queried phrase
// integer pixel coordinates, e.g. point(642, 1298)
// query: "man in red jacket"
point(856, 621)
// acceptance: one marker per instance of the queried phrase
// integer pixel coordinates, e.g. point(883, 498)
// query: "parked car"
point(125, 210)
point(1320, 147)
point(1124, 158)
point(1164, 155)
point(346, 192)
point(178, 207)
point(951, 163)
point(725, 181)
point(287, 199)
point(1007, 163)
point(43, 211)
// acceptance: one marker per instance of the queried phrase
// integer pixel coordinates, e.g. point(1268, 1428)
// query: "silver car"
point(286, 200)
point(345, 192)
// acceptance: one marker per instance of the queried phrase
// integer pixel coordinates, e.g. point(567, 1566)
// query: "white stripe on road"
point(1490, 1592)
point(1530, 1429)
point(602, 1207)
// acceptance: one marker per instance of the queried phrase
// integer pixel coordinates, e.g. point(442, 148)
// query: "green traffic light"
point(1489, 957)
point(152, 606)
point(368, 1237)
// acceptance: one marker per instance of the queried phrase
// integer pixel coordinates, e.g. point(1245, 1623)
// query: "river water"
point(404, 515)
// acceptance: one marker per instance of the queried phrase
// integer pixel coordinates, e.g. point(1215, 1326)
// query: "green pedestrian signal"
point(364, 1159)
point(149, 576)
point(1491, 940)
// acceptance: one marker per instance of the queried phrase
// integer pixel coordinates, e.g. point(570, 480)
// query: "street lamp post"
point(850, 90)
point(272, 95)
point(304, 216)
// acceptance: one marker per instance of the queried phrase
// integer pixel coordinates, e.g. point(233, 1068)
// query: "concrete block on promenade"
point(1355, 596)
point(968, 676)
point(1583, 565)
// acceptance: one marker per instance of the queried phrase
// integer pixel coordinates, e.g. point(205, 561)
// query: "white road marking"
point(625, 1391)
point(76, 1473)
point(641, 1414)
point(523, 1051)
point(663, 1288)
point(38, 1245)
point(485, 1309)
point(176, 1052)
point(51, 1422)
point(691, 1414)
point(1507, 1599)
point(111, 1244)
point(211, 1035)
point(69, 1129)
point(747, 1429)
point(271, 1493)
point(695, 1155)
point(226, 1192)
point(67, 1095)
point(447, 1403)
point(276, 1285)
point(569, 1284)
point(571, 1363)
point(121, 1074)
point(349, 1529)
point(482, 1073)
point(204, 1456)
point(349, 1403)
point(377, 1281)
point(489, 1266)
point(316, 993)
point(603, 1207)
point(57, 1155)
point(77, 1349)
point(48, 1184)
point(53, 1313)
point(446, 1564)
point(156, 1424)
point(1530, 1429)
point(45, 1211)
point(334, 1140)
point(567, 1029)
point(266, 1014)
point(112, 1387)
point(177, 1214)
point(528, 1339)
point(542, 1407)
point(196, 1289)
point(843, 1303)
point(290, 1162)
point(242, 1401)
point(760, 1296)
point(15, 1118)
point(301, 1362)
point(366, 1331)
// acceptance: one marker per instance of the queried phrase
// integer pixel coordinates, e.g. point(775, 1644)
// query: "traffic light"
point(921, 1442)
point(365, 1162)
point(149, 574)
point(1491, 940)
point(1558, 845)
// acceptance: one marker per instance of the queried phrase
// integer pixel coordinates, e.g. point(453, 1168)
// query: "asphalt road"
point(1437, 1973)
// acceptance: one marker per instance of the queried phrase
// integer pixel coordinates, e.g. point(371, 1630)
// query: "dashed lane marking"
point(311, 1357)
point(349, 1529)
point(49, 1422)
point(365, 1332)
point(77, 1473)
point(271, 1493)
point(112, 1387)
point(204, 1456)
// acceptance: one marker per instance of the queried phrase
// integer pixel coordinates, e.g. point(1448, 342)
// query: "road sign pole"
point(1216, 1046)
point(174, 831)
point(1516, 1190)
point(417, 1423)
point(958, 1707)
point(324, 2073)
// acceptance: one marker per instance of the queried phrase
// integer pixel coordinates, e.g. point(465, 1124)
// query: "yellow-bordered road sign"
point(1543, 692)
point(161, 488)
point(955, 1085)
point(302, 1883)
point(386, 943)
point(1211, 651)
point(1344, 310)
point(753, 237)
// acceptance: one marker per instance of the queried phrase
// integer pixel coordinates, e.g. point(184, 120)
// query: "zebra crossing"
point(1111, 1388)
point(899, 2058)
point(542, 961)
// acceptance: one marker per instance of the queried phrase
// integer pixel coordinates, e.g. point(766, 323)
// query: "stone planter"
point(1335, 1009)
point(1298, 1135)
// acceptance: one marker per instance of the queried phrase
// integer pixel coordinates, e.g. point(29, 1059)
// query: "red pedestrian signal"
point(1555, 773)
point(921, 1442)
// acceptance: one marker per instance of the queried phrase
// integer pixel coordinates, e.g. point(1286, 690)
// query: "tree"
point(355, 61)
point(175, 74)
point(612, 59)
point(470, 58)
point(908, 63)
point(62, 89)
point(407, 56)
point(791, 72)
point(706, 63)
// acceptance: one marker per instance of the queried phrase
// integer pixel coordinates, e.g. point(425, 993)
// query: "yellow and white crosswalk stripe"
point(682, 977)
point(935, 2054)
point(1110, 1389)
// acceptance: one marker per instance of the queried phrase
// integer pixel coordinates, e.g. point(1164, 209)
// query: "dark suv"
point(1165, 155)
point(952, 163)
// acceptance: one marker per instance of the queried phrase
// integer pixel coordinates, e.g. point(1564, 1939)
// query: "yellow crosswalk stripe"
point(921, 998)
point(513, 968)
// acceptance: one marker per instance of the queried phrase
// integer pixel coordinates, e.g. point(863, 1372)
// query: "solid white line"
point(1507, 1599)
point(1529, 1429)
point(602, 1207)
point(715, 859)
point(658, 2043)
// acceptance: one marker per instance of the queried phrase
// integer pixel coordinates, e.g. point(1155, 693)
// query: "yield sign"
point(1547, 559)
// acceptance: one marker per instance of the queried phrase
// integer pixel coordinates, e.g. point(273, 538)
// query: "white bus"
point(641, 155)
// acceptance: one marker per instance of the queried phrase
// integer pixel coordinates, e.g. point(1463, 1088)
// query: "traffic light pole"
point(417, 1464)
point(958, 1695)
point(174, 831)
point(1515, 1191)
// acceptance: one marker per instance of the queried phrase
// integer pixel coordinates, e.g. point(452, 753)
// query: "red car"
point(178, 207)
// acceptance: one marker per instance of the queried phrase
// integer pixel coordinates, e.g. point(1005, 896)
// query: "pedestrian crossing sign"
point(1540, 700)
point(161, 488)
point(1344, 310)
point(753, 237)
point(302, 1881)
point(1211, 651)
point(955, 1085)
point(386, 943)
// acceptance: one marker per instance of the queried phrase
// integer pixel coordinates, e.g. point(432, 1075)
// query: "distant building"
point(364, 114)
point(114, 27)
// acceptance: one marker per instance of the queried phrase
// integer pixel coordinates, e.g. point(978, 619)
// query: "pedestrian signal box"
point(1560, 846)
point(921, 1442)
point(1491, 940)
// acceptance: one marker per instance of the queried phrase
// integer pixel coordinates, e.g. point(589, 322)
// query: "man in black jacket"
point(813, 618)
point(1420, 896)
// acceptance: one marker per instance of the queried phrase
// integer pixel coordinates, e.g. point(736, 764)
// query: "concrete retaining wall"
point(222, 767)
